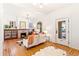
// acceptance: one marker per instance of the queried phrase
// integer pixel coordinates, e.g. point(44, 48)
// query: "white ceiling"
point(47, 8)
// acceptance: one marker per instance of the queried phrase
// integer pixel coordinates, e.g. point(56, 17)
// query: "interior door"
point(62, 31)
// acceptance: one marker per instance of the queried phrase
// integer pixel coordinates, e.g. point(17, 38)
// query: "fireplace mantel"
point(22, 31)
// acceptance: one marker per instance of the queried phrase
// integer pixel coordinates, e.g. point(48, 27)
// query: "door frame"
point(61, 19)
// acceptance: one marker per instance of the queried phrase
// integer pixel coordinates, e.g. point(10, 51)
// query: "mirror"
point(39, 26)
point(62, 29)
point(22, 25)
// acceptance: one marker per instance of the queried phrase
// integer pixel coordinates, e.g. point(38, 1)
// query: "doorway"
point(62, 31)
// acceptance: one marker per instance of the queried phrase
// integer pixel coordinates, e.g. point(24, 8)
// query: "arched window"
point(39, 26)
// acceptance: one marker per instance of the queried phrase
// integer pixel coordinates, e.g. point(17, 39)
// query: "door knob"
point(56, 31)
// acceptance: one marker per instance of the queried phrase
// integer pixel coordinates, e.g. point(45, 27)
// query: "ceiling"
point(46, 8)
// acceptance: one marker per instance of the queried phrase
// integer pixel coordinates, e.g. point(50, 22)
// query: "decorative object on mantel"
point(13, 24)
point(31, 26)
point(6, 26)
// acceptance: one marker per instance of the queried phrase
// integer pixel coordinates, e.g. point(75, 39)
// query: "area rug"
point(50, 51)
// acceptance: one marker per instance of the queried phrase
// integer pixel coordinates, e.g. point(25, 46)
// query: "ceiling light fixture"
point(41, 5)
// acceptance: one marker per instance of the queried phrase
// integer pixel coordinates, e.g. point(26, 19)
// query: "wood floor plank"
point(11, 48)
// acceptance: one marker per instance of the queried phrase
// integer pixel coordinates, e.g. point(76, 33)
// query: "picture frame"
point(22, 25)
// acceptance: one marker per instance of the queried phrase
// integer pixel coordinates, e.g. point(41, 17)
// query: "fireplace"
point(23, 35)
point(22, 32)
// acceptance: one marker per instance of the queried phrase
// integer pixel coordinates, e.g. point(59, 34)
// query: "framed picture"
point(22, 25)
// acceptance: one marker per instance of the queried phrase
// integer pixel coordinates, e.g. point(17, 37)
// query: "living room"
point(43, 18)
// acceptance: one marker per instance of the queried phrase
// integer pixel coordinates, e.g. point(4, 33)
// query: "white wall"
point(17, 13)
point(1, 30)
point(72, 12)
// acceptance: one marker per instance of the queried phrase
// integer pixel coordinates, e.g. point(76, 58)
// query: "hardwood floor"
point(11, 48)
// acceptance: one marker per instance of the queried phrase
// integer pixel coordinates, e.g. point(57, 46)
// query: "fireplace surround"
point(22, 33)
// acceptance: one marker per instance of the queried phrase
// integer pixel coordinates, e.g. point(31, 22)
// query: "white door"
point(62, 31)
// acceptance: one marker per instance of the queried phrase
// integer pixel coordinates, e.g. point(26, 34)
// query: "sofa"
point(38, 39)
